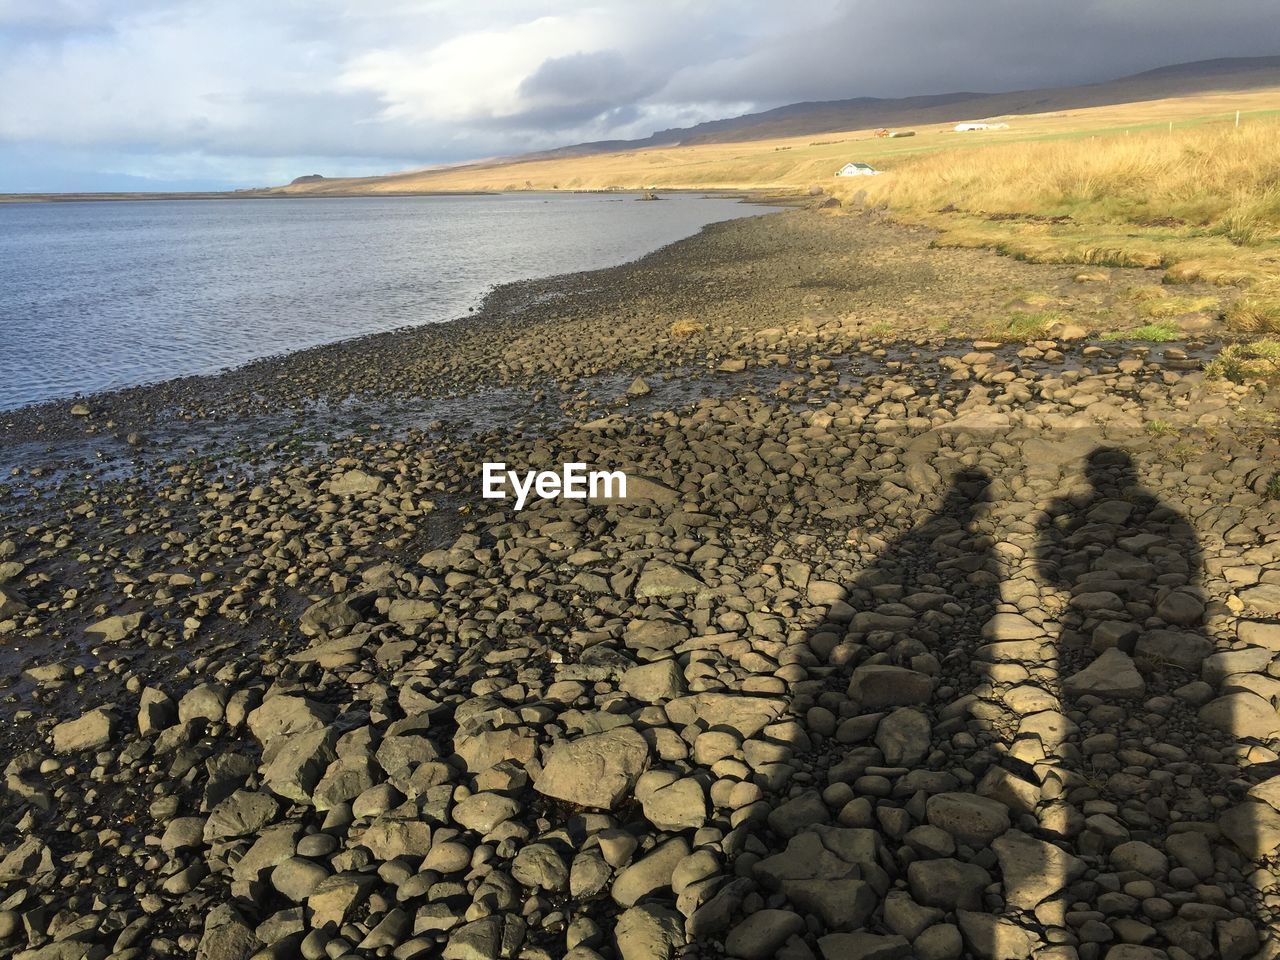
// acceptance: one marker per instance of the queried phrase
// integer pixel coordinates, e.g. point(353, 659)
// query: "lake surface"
point(95, 296)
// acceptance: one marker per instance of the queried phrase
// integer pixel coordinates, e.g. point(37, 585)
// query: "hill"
point(706, 156)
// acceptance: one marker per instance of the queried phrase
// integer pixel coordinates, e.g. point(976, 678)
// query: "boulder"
point(598, 770)
point(1112, 676)
point(970, 819)
point(92, 730)
point(881, 685)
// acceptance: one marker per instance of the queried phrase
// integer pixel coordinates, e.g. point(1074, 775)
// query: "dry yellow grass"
point(1203, 202)
point(1209, 176)
point(797, 163)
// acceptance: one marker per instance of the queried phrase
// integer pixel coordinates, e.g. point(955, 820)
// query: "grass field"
point(797, 163)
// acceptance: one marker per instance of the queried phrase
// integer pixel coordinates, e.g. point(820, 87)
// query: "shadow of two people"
point(1115, 783)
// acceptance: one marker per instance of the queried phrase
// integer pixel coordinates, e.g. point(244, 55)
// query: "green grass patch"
point(1151, 333)
point(1244, 362)
point(1022, 325)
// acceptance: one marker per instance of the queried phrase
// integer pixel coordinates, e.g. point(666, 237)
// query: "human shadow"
point(1148, 766)
point(854, 847)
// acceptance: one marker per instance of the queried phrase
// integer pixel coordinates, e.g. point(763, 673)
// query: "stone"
point(1242, 714)
point(205, 701)
point(183, 833)
point(487, 748)
point(273, 846)
point(11, 603)
point(661, 580)
point(1140, 857)
point(538, 865)
point(482, 812)
point(26, 861)
point(1011, 626)
point(1263, 598)
point(863, 946)
point(649, 931)
point(486, 939)
point(298, 878)
point(760, 935)
point(905, 917)
point(650, 873)
point(947, 884)
point(654, 635)
point(1180, 608)
point(1218, 666)
point(336, 896)
point(678, 805)
point(939, 942)
point(877, 686)
point(388, 839)
point(355, 483)
point(1253, 827)
point(654, 682)
point(116, 628)
point(1237, 938)
point(156, 711)
point(330, 616)
point(1259, 633)
point(1033, 870)
point(745, 715)
point(806, 857)
point(903, 737)
point(344, 780)
point(598, 770)
point(1182, 648)
point(286, 715)
point(841, 903)
point(242, 814)
point(798, 813)
point(995, 938)
point(1111, 676)
point(971, 819)
point(92, 730)
point(297, 762)
point(226, 936)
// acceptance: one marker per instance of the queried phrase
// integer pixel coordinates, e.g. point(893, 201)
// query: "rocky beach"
point(920, 633)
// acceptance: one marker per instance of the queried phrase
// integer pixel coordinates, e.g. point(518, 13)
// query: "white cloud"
point(473, 76)
point(250, 87)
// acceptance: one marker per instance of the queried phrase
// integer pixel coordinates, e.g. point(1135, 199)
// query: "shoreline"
point(482, 311)
point(294, 682)
point(748, 194)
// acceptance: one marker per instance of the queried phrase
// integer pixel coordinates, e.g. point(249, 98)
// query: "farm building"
point(971, 125)
point(857, 170)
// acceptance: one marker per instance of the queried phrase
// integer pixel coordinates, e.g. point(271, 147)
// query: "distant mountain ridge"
point(811, 118)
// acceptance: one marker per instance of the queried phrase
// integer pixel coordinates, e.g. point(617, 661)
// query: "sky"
point(213, 94)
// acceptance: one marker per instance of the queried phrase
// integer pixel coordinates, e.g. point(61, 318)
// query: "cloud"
point(245, 89)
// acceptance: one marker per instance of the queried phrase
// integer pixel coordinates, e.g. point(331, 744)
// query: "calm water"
point(101, 295)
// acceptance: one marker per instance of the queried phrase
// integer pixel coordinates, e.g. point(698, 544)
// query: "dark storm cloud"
point(912, 47)
point(572, 90)
point(239, 90)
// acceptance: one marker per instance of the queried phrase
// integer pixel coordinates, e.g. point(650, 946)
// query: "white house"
point(857, 170)
point(970, 125)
